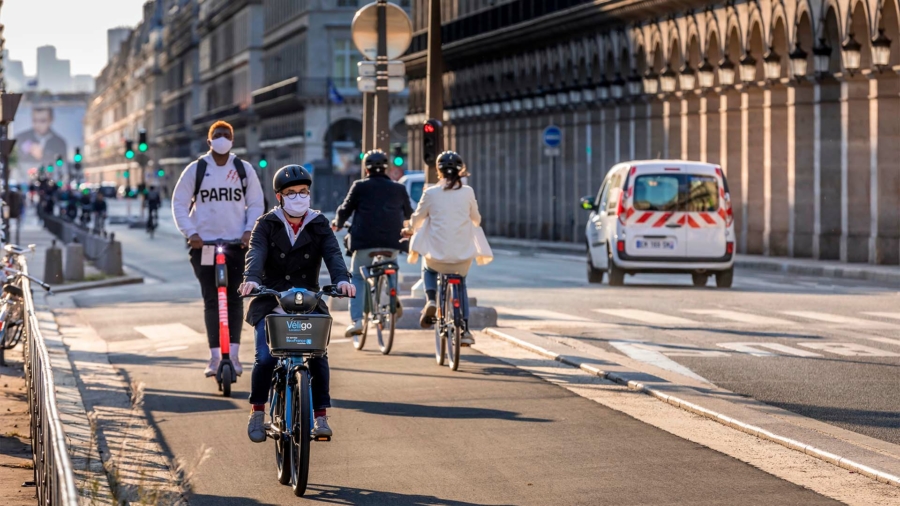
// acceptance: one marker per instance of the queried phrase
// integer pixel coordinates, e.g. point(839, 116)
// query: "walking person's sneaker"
point(355, 329)
point(321, 428)
point(467, 339)
point(256, 427)
point(399, 312)
point(426, 320)
point(212, 367)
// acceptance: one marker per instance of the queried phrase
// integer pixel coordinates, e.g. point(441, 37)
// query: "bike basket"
point(288, 333)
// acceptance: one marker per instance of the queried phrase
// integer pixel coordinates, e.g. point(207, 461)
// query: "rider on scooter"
point(287, 248)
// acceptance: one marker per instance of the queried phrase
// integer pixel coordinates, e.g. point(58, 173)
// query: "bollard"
point(74, 262)
point(53, 265)
point(111, 261)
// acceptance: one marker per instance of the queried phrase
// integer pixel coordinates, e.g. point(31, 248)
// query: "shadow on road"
point(425, 411)
point(346, 495)
point(200, 499)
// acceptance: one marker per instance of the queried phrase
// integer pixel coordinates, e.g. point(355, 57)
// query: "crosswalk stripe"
point(741, 317)
point(169, 331)
point(647, 316)
point(540, 314)
point(895, 316)
point(836, 319)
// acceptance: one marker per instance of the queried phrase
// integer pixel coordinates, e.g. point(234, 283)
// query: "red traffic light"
point(429, 128)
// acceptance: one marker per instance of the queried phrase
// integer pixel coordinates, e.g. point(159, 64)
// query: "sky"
point(76, 27)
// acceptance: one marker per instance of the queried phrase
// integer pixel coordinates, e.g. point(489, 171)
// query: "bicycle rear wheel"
point(454, 333)
point(301, 432)
point(284, 444)
point(440, 344)
point(360, 340)
point(386, 321)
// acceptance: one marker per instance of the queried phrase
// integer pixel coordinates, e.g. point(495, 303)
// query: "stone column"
point(803, 158)
point(886, 155)
point(856, 170)
point(778, 187)
point(754, 168)
point(830, 141)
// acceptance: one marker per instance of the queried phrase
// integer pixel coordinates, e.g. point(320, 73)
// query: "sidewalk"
point(16, 466)
point(799, 266)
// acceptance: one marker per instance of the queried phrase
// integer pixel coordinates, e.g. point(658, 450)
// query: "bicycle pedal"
point(465, 345)
point(323, 438)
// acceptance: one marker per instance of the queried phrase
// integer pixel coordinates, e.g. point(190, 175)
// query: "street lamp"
point(618, 86)
point(881, 49)
point(603, 89)
point(799, 63)
point(726, 71)
point(687, 78)
point(705, 74)
point(667, 80)
point(651, 82)
point(822, 56)
point(850, 53)
point(748, 68)
point(772, 64)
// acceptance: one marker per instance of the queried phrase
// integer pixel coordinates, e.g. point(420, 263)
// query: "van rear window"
point(676, 192)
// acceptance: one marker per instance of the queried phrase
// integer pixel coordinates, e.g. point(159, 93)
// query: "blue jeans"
point(264, 366)
point(430, 279)
point(361, 258)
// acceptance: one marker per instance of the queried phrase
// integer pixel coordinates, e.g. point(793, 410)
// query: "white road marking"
point(171, 348)
point(540, 314)
point(653, 354)
point(849, 349)
point(886, 340)
point(751, 349)
point(169, 331)
point(341, 340)
point(836, 319)
point(895, 316)
point(741, 317)
point(647, 316)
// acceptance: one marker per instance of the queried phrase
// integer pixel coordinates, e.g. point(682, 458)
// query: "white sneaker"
point(238, 368)
point(467, 339)
point(212, 367)
point(355, 329)
point(256, 428)
point(321, 428)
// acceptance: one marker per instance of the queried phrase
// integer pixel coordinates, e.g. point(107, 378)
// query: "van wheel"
point(700, 279)
point(616, 275)
point(594, 275)
point(725, 278)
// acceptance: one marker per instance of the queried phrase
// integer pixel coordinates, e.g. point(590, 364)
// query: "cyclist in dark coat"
point(287, 248)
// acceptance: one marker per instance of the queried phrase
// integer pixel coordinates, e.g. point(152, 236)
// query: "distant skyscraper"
point(13, 73)
point(54, 75)
point(83, 83)
point(114, 39)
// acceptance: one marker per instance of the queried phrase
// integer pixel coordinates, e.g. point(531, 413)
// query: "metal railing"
point(54, 477)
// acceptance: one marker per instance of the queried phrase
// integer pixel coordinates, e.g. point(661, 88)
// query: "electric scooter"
point(225, 374)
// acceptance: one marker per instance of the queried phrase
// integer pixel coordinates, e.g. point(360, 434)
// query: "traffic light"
point(398, 155)
point(431, 141)
point(129, 150)
point(263, 163)
point(49, 168)
point(125, 174)
point(77, 157)
point(142, 141)
point(59, 161)
point(161, 173)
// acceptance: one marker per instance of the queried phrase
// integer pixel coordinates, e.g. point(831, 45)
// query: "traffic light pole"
point(382, 106)
point(4, 160)
point(434, 90)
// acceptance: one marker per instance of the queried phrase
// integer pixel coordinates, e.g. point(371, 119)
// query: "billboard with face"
point(45, 130)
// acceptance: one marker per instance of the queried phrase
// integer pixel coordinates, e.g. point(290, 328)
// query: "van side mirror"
point(587, 203)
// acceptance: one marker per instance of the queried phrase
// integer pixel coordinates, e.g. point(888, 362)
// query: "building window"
point(346, 3)
point(343, 72)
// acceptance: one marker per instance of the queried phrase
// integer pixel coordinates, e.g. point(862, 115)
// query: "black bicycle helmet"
point(376, 161)
point(290, 175)
point(449, 163)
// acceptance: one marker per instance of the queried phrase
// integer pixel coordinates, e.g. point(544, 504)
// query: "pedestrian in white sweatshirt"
point(221, 201)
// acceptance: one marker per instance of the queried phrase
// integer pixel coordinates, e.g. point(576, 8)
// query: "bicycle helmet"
point(376, 161)
point(449, 163)
point(290, 175)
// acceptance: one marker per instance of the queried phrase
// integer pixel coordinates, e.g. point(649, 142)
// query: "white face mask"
point(221, 145)
point(295, 207)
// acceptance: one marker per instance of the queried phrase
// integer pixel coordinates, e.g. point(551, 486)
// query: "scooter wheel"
point(226, 380)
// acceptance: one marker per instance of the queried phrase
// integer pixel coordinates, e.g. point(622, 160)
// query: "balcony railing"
point(218, 113)
point(297, 88)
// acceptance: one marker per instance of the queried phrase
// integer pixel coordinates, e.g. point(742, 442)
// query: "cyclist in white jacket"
point(223, 201)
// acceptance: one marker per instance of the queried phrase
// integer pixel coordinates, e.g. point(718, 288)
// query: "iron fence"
point(54, 477)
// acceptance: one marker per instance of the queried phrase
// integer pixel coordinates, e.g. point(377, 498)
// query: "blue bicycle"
point(294, 338)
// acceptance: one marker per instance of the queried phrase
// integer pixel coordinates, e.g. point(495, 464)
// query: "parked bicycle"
point(294, 338)
point(450, 324)
point(382, 308)
point(12, 301)
point(225, 374)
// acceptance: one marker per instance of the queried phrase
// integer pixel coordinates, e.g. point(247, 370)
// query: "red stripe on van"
point(662, 221)
point(682, 220)
point(645, 217)
point(707, 218)
point(691, 222)
point(629, 213)
point(723, 214)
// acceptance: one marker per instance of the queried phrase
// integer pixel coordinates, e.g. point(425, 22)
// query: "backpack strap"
point(198, 180)
point(241, 172)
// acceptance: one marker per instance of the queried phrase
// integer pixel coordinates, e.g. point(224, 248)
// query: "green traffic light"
point(263, 164)
point(398, 161)
point(59, 163)
point(49, 168)
point(142, 147)
point(362, 155)
point(129, 154)
point(77, 158)
point(125, 174)
point(160, 173)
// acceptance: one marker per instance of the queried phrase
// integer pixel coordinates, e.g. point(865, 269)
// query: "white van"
point(661, 216)
point(415, 185)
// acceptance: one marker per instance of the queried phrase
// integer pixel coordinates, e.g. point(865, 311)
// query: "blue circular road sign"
point(552, 136)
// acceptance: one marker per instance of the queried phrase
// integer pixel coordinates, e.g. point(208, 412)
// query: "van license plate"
point(660, 244)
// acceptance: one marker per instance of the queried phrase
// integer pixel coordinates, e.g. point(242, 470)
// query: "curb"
point(753, 430)
point(103, 283)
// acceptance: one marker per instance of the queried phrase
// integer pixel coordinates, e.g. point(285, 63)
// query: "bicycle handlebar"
point(222, 242)
point(43, 285)
point(326, 291)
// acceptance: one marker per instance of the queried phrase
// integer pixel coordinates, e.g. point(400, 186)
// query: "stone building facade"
point(798, 101)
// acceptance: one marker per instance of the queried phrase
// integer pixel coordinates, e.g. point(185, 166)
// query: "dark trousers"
point(264, 366)
point(206, 274)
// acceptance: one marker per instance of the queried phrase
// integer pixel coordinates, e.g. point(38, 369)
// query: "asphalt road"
point(408, 431)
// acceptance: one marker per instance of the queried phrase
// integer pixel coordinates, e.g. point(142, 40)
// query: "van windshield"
point(676, 193)
point(415, 190)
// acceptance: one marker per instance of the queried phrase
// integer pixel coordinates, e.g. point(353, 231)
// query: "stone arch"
point(858, 25)
point(754, 21)
point(713, 40)
point(756, 47)
point(735, 32)
point(778, 43)
point(888, 18)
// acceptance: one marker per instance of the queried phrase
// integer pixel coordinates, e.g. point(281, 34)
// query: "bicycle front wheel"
point(283, 444)
point(386, 322)
point(301, 433)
